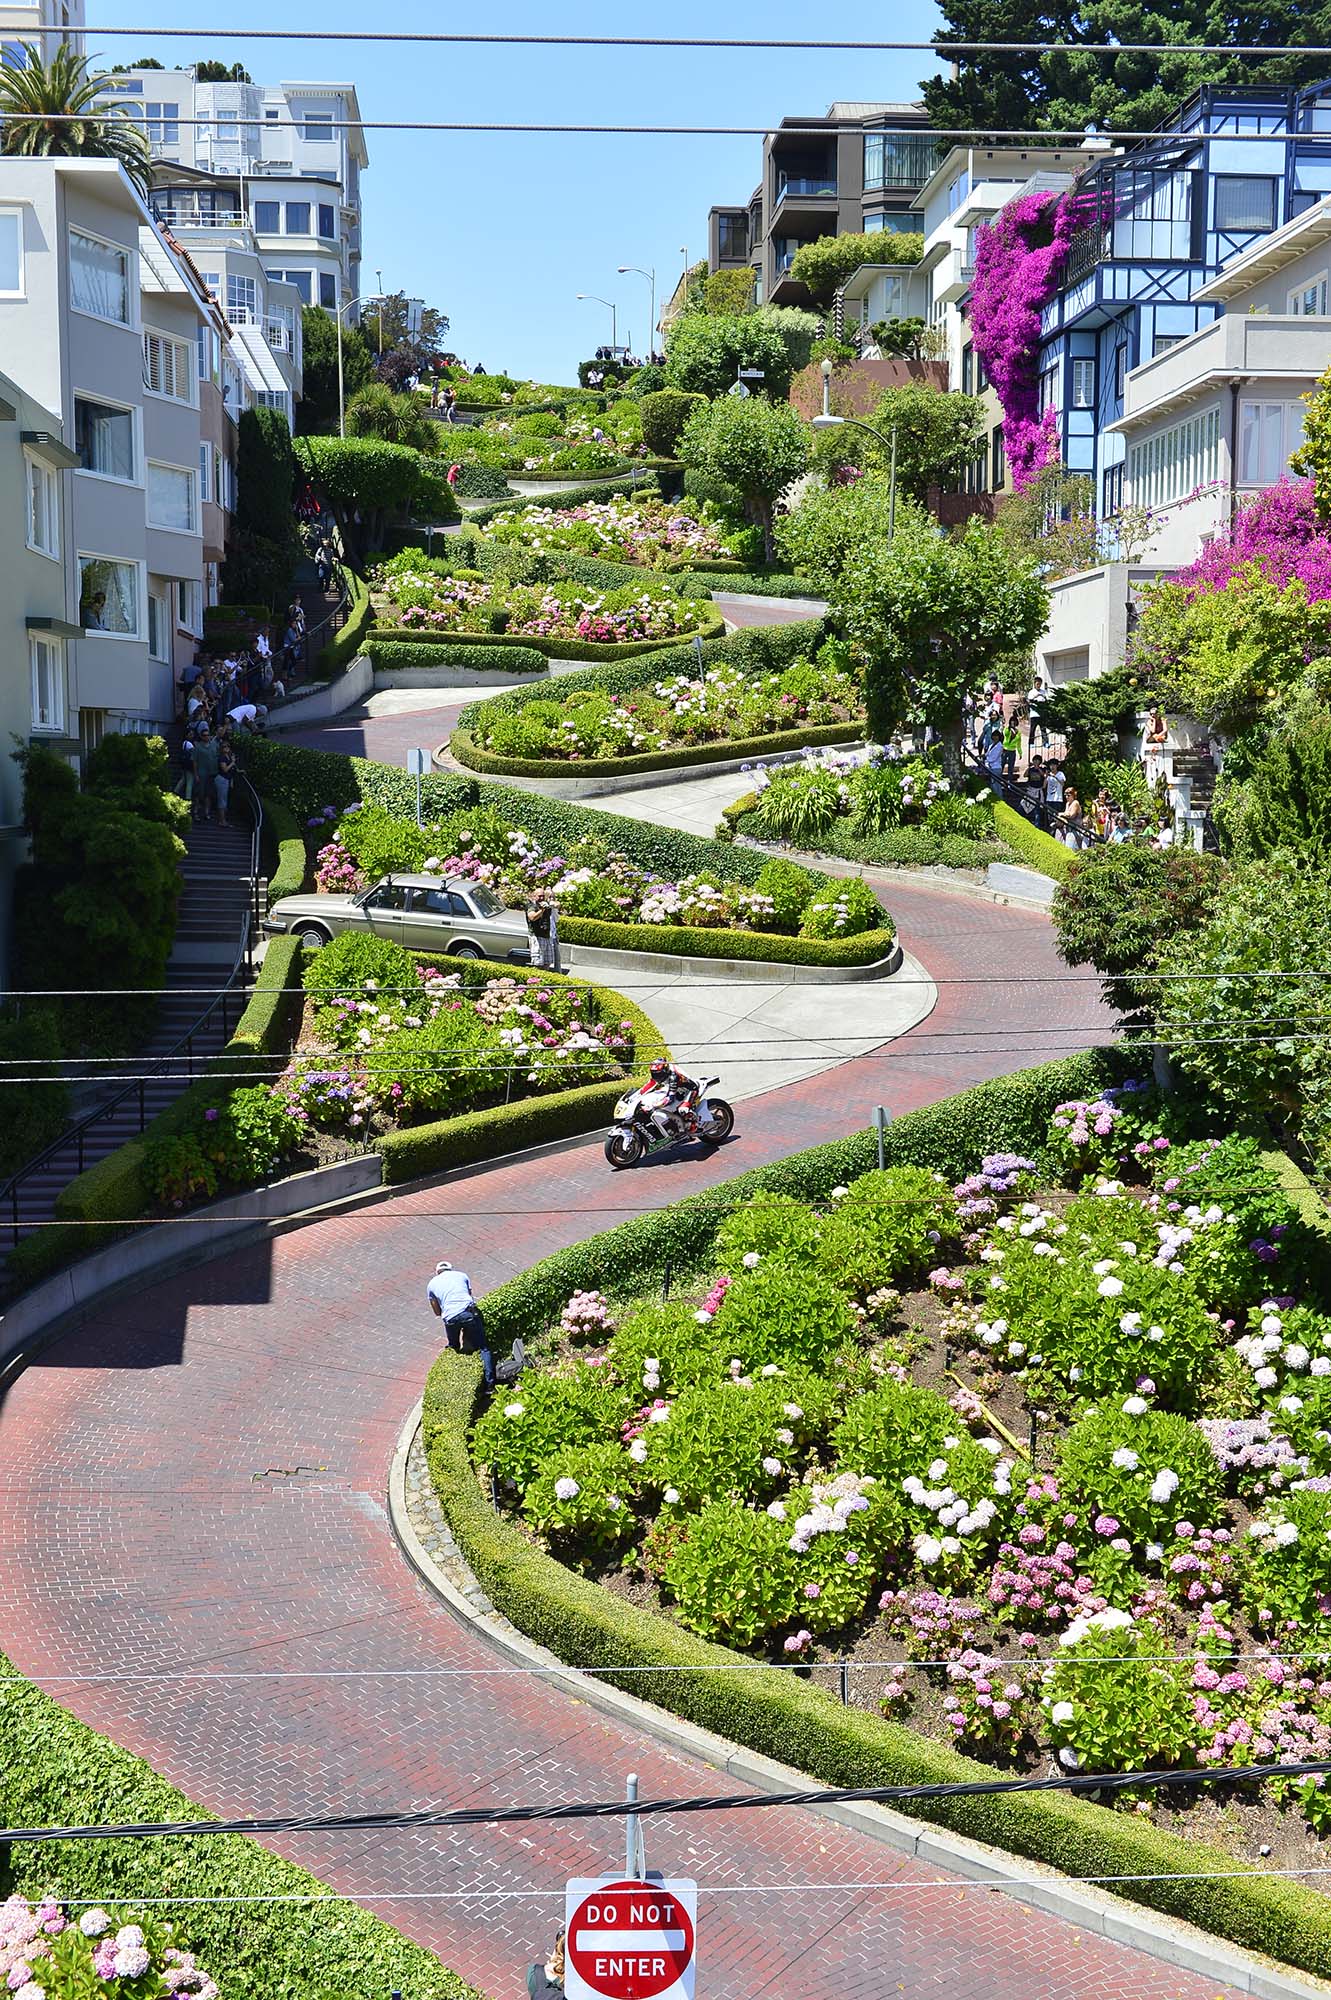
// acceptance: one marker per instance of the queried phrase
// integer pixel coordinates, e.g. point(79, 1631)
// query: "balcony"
point(811, 198)
point(183, 215)
point(802, 184)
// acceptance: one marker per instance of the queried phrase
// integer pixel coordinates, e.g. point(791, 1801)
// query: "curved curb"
point(608, 785)
point(599, 958)
point(1092, 1909)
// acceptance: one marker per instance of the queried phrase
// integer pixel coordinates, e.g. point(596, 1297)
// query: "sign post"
point(417, 765)
point(629, 1939)
point(881, 1119)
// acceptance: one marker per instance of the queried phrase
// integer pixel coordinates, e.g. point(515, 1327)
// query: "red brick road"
point(136, 1537)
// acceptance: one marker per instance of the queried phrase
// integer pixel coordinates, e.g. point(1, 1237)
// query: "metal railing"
point(228, 1004)
point(803, 184)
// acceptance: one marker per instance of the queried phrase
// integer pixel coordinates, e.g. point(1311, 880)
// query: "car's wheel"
point(624, 1149)
point(465, 950)
point(314, 936)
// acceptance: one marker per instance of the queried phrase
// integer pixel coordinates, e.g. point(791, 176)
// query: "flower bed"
point(887, 813)
point(47, 1955)
point(717, 708)
point(864, 1473)
point(421, 595)
point(594, 883)
point(392, 1041)
point(649, 532)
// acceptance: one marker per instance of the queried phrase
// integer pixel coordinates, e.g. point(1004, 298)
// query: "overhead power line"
point(429, 1817)
point(939, 48)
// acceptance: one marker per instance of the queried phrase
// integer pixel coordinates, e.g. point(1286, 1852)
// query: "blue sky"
point(501, 232)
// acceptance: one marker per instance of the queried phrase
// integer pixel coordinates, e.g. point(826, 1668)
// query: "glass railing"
point(803, 184)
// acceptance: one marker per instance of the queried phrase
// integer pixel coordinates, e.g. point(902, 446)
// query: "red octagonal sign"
point(629, 1940)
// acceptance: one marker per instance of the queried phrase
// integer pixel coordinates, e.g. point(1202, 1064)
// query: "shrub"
point(664, 415)
point(35, 1111)
point(544, 1414)
point(1288, 1577)
point(1143, 1472)
point(890, 1226)
point(580, 1500)
point(713, 1443)
point(706, 351)
point(771, 1225)
point(265, 476)
point(732, 1576)
point(395, 656)
point(1117, 906)
point(785, 1314)
point(670, 1334)
point(843, 911)
point(828, 261)
point(341, 969)
point(1115, 1711)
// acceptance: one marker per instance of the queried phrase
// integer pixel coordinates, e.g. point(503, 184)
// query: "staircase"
point(213, 923)
point(1199, 766)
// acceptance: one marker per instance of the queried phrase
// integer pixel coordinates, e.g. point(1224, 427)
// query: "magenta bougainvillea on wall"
point(1278, 531)
point(1019, 259)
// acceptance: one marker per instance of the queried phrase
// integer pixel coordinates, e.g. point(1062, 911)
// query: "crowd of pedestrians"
point(1042, 791)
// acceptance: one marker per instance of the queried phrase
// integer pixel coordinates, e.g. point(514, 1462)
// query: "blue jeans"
point(453, 1336)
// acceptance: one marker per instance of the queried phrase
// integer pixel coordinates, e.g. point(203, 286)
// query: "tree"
point(375, 411)
point(365, 481)
point(825, 264)
point(317, 410)
point(1224, 655)
point(729, 292)
point(264, 548)
point(1276, 793)
point(756, 447)
point(939, 432)
point(220, 72)
point(1070, 88)
point(1117, 907)
point(393, 314)
point(832, 524)
point(55, 110)
point(932, 619)
point(705, 352)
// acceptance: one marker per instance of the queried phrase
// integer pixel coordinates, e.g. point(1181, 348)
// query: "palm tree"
point(52, 110)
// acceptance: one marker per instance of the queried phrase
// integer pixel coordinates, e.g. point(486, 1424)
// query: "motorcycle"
point(635, 1134)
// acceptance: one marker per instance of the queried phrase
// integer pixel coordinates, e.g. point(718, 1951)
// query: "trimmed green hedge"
point(55, 1770)
point(1035, 849)
point(113, 1193)
point(646, 484)
point(402, 655)
point(343, 647)
point(776, 1713)
point(688, 941)
point(530, 1121)
point(724, 749)
point(570, 649)
point(287, 849)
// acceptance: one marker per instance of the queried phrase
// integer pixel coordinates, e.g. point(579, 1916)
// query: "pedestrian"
point(1011, 747)
point(184, 784)
point(1055, 791)
point(543, 927)
point(226, 771)
point(993, 759)
point(1035, 702)
point(452, 1301)
point(544, 1980)
point(1071, 821)
point(205, 771)
point(1156, 730)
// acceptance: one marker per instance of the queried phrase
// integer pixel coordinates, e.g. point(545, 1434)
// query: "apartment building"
point(859, 167)
point(42, 24)
point(287, 158)
point(101, 324)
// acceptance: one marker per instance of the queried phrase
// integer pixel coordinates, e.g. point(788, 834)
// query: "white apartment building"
point(100, 324)
point(287, 158)
point(44, 24)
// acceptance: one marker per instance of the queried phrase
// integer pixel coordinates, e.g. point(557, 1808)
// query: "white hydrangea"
point(514, 1409)
point(567, 1489)
point(671, 1496)
point(1164, 1486)
point(1134, 1406)
point(1126, 1459)
point(1109, 1288)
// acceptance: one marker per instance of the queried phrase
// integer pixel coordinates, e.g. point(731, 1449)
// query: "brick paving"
point(136, 1536)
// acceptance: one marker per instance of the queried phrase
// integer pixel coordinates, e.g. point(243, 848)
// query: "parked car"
point(422, 912)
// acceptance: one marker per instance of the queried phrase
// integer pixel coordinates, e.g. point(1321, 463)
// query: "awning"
point(258, 361)
point(45, 444)
point(60, 628)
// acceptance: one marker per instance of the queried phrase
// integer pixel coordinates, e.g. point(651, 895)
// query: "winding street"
point(143, 1533)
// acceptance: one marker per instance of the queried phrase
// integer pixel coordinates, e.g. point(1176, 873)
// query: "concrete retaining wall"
point(585, 959)
point(636, 781)
point(325, 701)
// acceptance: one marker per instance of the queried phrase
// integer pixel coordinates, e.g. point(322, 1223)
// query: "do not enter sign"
point(629, 1940)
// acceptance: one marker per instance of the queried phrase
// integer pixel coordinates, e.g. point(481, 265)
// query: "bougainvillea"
point(1280, 532)
point(1019, 258)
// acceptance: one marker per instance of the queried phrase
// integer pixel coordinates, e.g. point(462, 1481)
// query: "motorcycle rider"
point(668, 1096)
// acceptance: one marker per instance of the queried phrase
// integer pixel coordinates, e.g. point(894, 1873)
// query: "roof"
point(258, 360)
point(857, 284)
point(1269, 256)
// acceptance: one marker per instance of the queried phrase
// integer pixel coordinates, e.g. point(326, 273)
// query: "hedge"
point(530, 1121)
point(687, 941)
point(904, 847)
point(469, 550)
point(343, 647)
point(113, 1192)
point(420, 651)
point(1035, 849)
point(468, 752)
point(776, 1713)
point(55, 1770)
point(477, 481)
point(577, 496)
point(287, 848)
point(570, 649)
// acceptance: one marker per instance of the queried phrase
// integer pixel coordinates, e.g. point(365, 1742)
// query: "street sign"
point(417, 763)
point(752, 375)
point(738, 389)
point(629, 1940)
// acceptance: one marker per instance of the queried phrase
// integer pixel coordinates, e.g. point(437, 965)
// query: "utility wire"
point(938, 47)
point(430, 1817)
point(595, 982)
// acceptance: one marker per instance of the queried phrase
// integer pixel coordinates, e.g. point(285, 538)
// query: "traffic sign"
point(629, 1940)
point(418, 763)
point(738, 389)
point(752, 375)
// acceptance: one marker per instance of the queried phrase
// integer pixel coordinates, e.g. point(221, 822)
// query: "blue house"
point(1164, 219)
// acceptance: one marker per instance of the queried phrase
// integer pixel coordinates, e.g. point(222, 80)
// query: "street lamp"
point(651, 279)
point(614, 321)
point(827, 422)
point(341, 392)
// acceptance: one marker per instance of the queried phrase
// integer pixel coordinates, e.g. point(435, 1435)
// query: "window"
point(298, 218)
point(977, 473)
point(732, 238)
point(163, 125)
point(271, 117)
point(1120, 367)
point(1083, 385)
point(268, 217)
point(213, 280)
point(1268, 434)
point(1113, 501)
point(999, 459)
point(968, 371)
point(981, 374)
point(1173, 464)
point(327, 291)
point(242, 297)
point(189, 606)
point(319, 127)
point(99, 278)
point(166, 368)
point(159, 627)
point(1308, 299)
point(104, 438)
point(1245, 202)
point(171, 501)
point(228, 130)
point(43, 506)
point(109, 596)
point(1049, 388)
point(898, 159)
point(1162, 342)
point(11, 253)
point(205, 472)
point(327, 219)
point(47, 656)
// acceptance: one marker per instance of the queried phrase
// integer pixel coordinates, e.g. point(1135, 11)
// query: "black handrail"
point(221, 1001)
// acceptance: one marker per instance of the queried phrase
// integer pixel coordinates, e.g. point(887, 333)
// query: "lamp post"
point(341, 391)
point(827, 422)
point(614, 310)
point(651, 279)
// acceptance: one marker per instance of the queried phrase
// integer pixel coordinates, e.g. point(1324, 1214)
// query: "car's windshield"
point(486, 904)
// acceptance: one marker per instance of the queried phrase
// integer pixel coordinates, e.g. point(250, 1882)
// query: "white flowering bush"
point(523, 1430)
point(1287, 1580)
point(582, 1500)
point(45, 1955)
point(1110, 1704)
point(1136, 1473)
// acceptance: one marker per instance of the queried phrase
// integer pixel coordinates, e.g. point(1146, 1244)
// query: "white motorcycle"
point(635, 1132)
